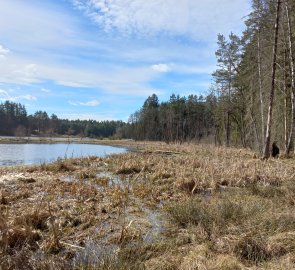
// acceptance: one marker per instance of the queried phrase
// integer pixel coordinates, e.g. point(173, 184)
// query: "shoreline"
point(132, 145)
point(7, 139)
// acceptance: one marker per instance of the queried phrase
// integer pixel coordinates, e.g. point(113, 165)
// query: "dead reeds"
point(223, 209)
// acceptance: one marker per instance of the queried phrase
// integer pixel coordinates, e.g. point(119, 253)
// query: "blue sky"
point(100, 59)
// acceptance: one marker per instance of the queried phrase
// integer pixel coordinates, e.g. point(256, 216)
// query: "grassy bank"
point(161, 207)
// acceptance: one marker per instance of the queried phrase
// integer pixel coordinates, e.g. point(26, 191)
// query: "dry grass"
point(161, 207)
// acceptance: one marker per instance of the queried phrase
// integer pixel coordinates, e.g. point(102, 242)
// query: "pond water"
point(28, 154)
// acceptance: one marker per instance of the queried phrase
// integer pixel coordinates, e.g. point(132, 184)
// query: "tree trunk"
point(286, 121)
point(260, 92)
point(285, 90)
point(228, 120)
point(253, 121)
point(227, 129)
point(272, 89)
point(291, 59)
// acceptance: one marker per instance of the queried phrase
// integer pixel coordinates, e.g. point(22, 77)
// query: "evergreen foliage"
point(15, 121)
point(177, 120)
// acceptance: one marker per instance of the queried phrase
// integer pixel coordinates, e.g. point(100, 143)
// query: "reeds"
point(223, 209)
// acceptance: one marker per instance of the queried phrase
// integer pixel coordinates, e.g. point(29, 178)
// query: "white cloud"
point(161, 67)
point(3, 52)
point(4, 95)
point(182, 68)
point(27, 74)
point(193, 68)
point(199, 19)
point(18, 71)
point(111, 79)
point(91, 103)
point(34, 24)
point(45, 90)
point(73, 83)
point(26, 97)
point(72, 103)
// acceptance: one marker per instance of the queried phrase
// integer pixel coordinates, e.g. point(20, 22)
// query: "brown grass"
point(220, 208)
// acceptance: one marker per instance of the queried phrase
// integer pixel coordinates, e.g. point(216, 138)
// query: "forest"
point(14, 121)
point(177, 120)
point(252, 100)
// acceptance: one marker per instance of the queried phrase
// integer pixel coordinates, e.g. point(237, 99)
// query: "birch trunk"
point(291, 60)
point(266, 151)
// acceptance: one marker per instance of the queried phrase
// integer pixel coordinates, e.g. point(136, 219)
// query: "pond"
point(28, 154)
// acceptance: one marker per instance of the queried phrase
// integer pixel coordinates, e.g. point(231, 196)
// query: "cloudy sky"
point(100, 59)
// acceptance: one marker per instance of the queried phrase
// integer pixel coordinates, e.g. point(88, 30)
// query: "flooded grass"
point(161, 207)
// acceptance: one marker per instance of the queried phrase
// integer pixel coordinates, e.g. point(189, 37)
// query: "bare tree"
point(291, 60)
point(273, 76)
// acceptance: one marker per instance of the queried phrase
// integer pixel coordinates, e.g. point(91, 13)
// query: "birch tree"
point(291, 63)
point(266, 151)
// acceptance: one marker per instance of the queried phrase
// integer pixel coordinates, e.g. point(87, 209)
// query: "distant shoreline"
point(131, 144)
point(52, 139)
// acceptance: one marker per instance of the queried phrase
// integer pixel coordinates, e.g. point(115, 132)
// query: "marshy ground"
point(161, 207)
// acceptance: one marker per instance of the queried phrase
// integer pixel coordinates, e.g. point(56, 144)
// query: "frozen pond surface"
point(28, 154)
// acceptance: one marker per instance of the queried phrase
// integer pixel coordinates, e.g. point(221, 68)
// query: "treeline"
point(179, 119)
point(14, 121)
point(252, 100)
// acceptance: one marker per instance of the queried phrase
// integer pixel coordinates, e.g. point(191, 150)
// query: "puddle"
point(152, 218)
point(149, 221)
point(114, 180)
point(93, 253)
point(12, 178)
point(157, 226)
point(67, 178)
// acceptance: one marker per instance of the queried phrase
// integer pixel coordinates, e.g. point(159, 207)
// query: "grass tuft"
point(16, 238)
point(36, 220)
point(253, 249)
point(128, 170)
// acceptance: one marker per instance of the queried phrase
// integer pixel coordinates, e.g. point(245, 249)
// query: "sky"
point(101, 59)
